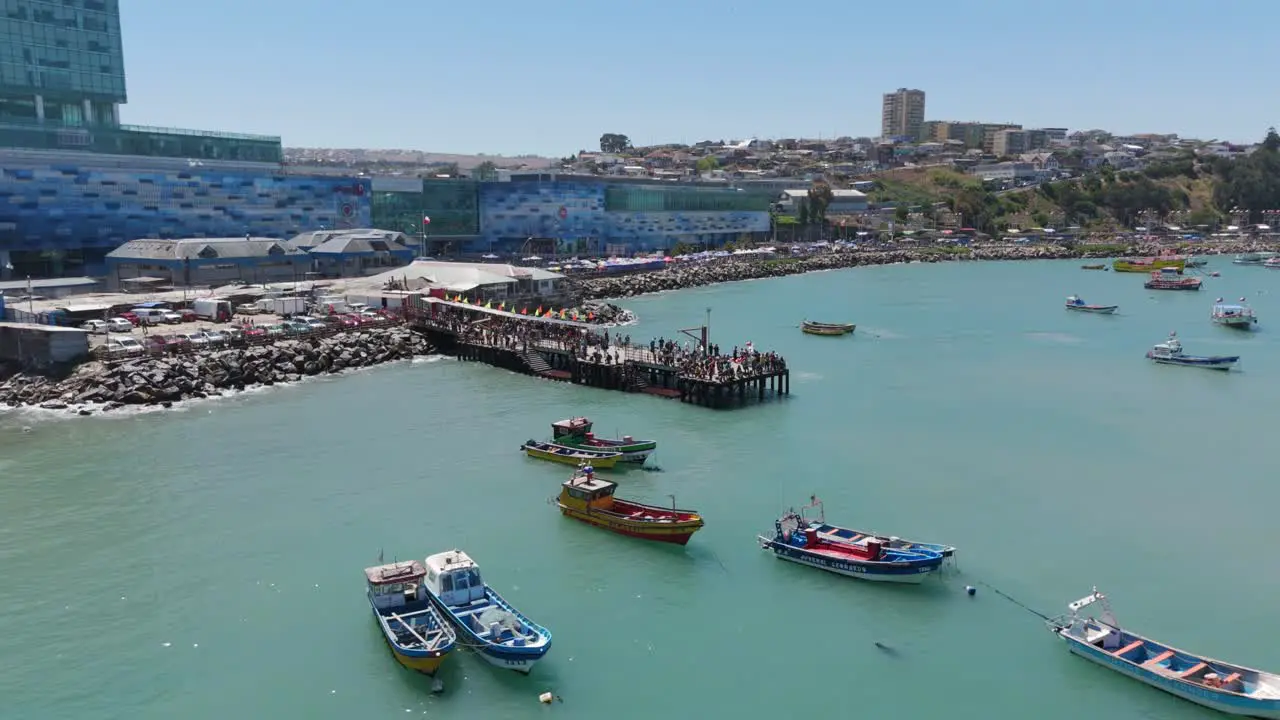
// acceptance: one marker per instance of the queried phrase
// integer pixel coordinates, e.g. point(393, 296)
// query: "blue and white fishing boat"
point(1075, 302)
point(1228, 688)
point(1233, 316)
point(850, 552)
point(1170, 352)
point(410, 623)
point(500, 633)
point(1253, 258)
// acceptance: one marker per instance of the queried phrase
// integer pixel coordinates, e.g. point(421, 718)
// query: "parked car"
point(233, 333)
point(188, 315)
point(119, 324)
point(274, 330)
point(131, 318)
point(171, 317)
point(313, 323)
point(252, 331)
point(123, 345)
point(96, 327)
point(150, 316)
point(197, 339)
point(215, 337)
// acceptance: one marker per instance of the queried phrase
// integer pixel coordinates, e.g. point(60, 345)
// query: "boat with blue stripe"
point(1170, 352)
point(852, 553)
point(417, 635)
point(502, 635)
point(1222, 686)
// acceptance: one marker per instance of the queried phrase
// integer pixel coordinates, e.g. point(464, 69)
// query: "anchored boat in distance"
point(1170, 352)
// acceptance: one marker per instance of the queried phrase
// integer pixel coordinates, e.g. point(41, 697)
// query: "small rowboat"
point(590, 499)
point(817, 328)
point(1076, 303)
point(1167, 279)
point(570, 456)
point(1227, 688)
point(1093, 267)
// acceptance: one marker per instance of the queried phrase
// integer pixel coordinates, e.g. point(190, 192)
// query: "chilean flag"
point(426, 220)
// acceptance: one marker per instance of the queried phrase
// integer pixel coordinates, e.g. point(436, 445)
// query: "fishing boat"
point(1168, 279)
point(1076, 303)
point(570, 455)
point(418, 637)
point(1222, 686)
point(497, 631)
point(1093, 267)
point(1170, 352)
point(818, 328)
point(1273, 263)
point(850, 552)
point(1193, 262)
point(1234, 316)
point(1254, 258)
point(1146, 265)
point(588, 498)
point(576, 433)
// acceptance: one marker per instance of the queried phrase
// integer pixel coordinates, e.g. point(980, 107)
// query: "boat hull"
point(911, 573)
point(1208, 363)
point(1230, 703)
point(518, 659)
point(426, 662)
point(827, 328)
point(636, 452)
point(1147, 267)
point(1095, 309)
point(676, 533)
point(1238, 323)
point(1171, 286)
point(602, 461)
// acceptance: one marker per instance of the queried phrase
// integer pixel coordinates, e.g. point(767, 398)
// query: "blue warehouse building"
point(76, 183)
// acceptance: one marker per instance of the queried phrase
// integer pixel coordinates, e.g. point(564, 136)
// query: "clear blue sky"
point(549, 76)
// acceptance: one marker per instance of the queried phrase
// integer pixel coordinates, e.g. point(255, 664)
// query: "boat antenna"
point(673, 500)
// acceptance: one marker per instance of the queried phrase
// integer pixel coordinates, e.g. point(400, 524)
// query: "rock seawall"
point(681, 276)
point(166, 379)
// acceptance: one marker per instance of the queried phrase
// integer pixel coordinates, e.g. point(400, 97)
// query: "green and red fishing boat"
point(576, 433)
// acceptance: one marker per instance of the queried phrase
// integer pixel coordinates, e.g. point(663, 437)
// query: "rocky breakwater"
point(166, 379)
point(689, 275)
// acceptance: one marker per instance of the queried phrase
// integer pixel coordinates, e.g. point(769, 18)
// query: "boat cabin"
point(571, 427)
point(395, 585)
point(454, 578)
point(1075, 300)
point(584, 490)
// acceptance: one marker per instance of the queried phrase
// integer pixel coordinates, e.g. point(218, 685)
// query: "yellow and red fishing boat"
point(1148, 264)
point(590, 499)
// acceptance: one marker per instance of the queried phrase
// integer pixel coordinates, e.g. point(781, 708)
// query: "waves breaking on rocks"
point(209, 372)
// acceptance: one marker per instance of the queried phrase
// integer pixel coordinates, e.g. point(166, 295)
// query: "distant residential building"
point(933, 131)
point(1005, 171)
point(1055, 134)
point(902, 113)
point(1009, 142)
point(989, 131)
point(843, 202)
point(1045, 162)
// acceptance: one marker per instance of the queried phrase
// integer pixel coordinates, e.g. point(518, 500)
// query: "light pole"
point(425, 222)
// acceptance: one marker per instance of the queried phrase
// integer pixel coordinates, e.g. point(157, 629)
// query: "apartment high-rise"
point(61, 62)
point(902, 113)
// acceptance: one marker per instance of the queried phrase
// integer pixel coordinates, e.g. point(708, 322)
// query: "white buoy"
point(546, 698)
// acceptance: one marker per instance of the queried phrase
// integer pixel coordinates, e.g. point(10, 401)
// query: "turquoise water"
point(206, 563)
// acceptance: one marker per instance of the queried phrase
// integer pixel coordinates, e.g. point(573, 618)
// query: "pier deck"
point(574, 352)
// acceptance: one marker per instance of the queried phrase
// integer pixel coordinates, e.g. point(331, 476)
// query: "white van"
point(152, 316)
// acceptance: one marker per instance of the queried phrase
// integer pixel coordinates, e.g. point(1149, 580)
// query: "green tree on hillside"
point(1251, 183)
point(820, 197)
point(614, 143)
point(707, 164)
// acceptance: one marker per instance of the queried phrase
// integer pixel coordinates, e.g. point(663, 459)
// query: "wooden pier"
point(623, 368)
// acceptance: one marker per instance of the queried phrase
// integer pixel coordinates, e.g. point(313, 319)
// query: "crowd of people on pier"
point(521, 334)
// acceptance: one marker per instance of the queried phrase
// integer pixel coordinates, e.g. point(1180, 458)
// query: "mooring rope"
point(1037, 613)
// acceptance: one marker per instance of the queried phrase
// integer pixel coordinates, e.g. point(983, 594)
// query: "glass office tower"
point(61, 62)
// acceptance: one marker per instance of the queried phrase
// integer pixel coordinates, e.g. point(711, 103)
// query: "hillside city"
point(916, 172)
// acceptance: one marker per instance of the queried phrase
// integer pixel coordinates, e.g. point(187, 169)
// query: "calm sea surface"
point(206, 562)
